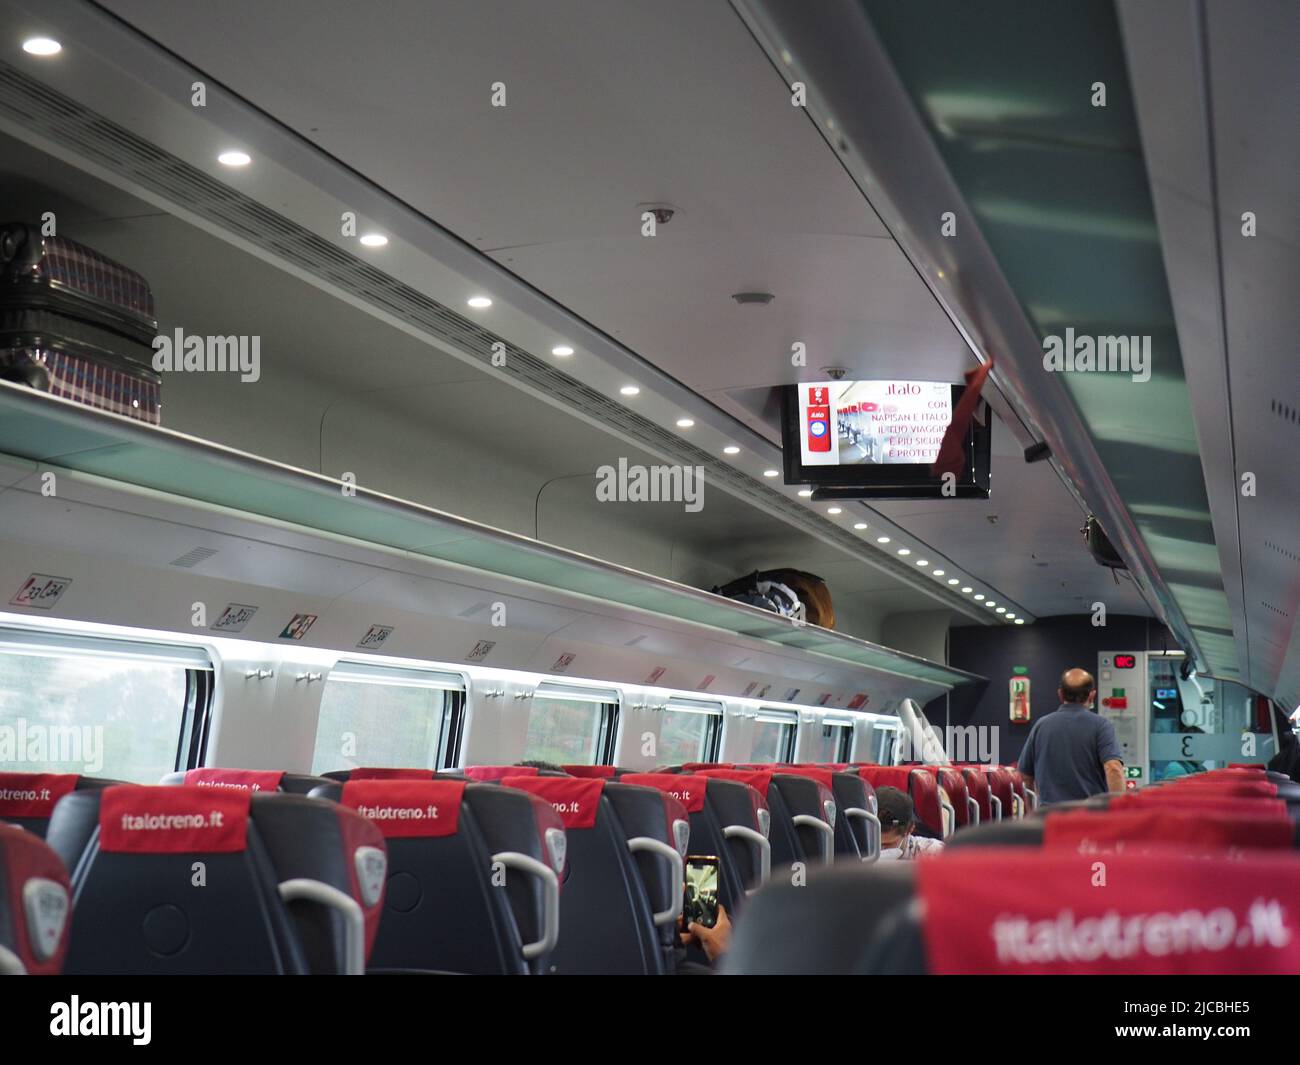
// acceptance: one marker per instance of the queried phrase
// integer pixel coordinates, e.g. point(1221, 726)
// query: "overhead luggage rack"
point(47, 430)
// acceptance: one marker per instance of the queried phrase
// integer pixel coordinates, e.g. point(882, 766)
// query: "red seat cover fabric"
point(27, 858)
point(817, 773)
point(402, 809)
point(1008, 910)
point(977, 783)
point(605, 772)
point(1087, 832)
point(687, 788)
point(1235, 789)
point(386, 773)
point(576, 800)
point(239, 779)
point(139, 819)
point(1196, 800)
point(33, 794)
point(490, 774)
point(757, 780)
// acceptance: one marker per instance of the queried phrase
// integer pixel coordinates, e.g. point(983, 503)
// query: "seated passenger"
point(898, 841)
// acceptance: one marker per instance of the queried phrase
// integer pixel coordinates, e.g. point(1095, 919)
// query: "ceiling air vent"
point(192, 558)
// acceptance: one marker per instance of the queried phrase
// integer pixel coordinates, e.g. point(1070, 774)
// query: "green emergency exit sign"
point(1133, 772)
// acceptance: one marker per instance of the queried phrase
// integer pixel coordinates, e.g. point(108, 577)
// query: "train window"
point(101, 707)
point(774, 736)
point(691, 732)
point(572, 725)
point(884, 736)
point(383, 716)
point(832, 741)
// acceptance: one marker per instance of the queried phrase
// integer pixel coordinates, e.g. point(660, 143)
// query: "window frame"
point(789, 720)
point(198, 662)
point(451, 722)
point(848, 736)
point(610, 701)
point(706, 708)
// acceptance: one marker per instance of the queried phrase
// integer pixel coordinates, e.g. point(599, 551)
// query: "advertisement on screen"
point(873, 423)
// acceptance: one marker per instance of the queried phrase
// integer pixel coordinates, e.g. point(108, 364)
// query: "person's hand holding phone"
point(715, 940)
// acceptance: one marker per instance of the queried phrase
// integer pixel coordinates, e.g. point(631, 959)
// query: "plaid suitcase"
point(76, 324)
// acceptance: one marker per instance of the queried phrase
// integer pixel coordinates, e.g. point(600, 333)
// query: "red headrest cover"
point(239, 779)
point(1012, 910)
point(407, 808)
point(140, 819)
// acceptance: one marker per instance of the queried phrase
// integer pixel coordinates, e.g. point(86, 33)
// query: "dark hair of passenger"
point(1077, 693)
point(549, 767)
point(894, 808)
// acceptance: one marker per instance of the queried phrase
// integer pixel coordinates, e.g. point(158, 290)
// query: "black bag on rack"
point(76, 324)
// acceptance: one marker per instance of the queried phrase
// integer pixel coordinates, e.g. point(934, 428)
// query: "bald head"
point(1077, 686)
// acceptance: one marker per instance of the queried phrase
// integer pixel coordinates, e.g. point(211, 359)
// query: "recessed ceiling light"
point(805, 492)
point(1020, 621)
point(374, 240)
point(630, 390)
point(771, 473)
point(967, 591)
point(953, 580)
point(234, 159)
point(859, 524)
point(882, 539)
point(685, 423)
point(42, 46)
point(922, 562)
point(731, 449)
point(993, 602)
point(1010, 616)
point(834, 510)
point(904, 551)
point(940, 572)
point(561, 350)
point(980, 596)
point(479, 302)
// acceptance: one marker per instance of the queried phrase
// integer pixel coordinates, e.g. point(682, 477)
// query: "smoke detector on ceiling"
point(663, 212)
point(761, 299)
point(836, 373)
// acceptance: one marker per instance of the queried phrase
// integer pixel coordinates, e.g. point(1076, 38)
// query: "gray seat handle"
point(530, 866)
point(354, 921)
point(826, 834)
point(866, 815)
point(649, 845)
point(761, 842)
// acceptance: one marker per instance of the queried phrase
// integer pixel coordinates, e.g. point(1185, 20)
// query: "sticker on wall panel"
point(749, 688)
point(825, 698)
point(41, 591)
point(655, 674)
point(790, 695)
point(704, 684)
point(375, 636)
point(762, 692)
point(481, 650)
point(297, 628)
point(562, 663)
point(234, 617)
point(858, 701)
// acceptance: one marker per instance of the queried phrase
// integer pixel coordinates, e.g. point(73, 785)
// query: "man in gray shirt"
point(1072, 753)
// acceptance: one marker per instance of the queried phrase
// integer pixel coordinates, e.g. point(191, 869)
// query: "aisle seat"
point(857, 828)
point(35, 905)
point(977, 785)
point(799, 813)
point(609, 922)
point(189, 880)
point(722, 824)
point(473, 874)
point(1013, 910)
